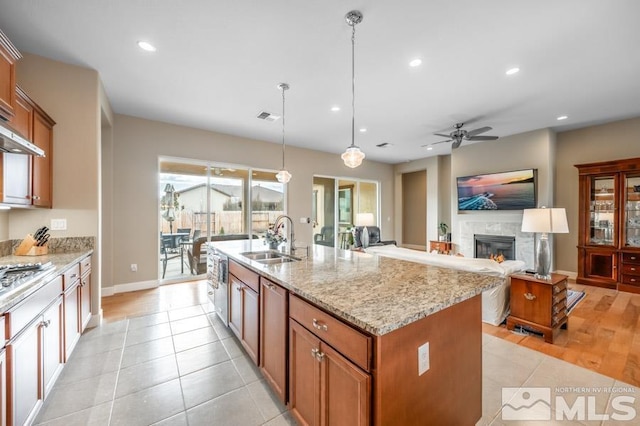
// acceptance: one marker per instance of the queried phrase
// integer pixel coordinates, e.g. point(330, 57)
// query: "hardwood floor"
point(603, 334)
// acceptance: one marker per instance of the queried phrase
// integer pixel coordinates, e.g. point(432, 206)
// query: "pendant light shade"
point(283, 175)
point(353, 156)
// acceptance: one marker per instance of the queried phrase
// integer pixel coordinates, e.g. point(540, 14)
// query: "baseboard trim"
point(96, 320)
point(124, 288)
point(570, 274)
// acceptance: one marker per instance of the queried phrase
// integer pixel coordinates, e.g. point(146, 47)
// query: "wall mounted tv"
point(514, 190)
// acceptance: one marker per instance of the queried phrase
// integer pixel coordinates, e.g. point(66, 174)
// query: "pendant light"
point(353, 157)
point(283, 175)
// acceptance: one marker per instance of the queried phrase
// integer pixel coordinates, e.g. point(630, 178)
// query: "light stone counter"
point(61, 261)
point(377, 294)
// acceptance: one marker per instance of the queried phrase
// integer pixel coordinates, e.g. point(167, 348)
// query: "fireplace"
point(487, 245)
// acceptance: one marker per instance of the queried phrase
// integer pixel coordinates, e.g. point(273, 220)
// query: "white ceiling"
point(218, 64)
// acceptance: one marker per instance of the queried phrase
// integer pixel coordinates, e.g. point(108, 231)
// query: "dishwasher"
point(218, 283)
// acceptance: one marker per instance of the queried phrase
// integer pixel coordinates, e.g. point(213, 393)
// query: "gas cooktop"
point(15, 275)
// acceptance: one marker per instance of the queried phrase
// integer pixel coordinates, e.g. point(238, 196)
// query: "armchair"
point(374, 237)
point(325, 237)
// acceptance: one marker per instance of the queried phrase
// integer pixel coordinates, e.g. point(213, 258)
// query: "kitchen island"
point(370, 339)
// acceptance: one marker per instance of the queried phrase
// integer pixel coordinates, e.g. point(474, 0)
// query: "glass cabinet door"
point(602, 210)
point(631, 224)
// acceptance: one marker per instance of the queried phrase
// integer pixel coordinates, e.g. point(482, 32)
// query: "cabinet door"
point(601, 265)
point(71, 319)
point(304, 375)
point(42, 182)
point(24, 374)
point(631, 211)
point(273, 336)
point(52, 354)
point(251, 322)
point(8, 57)
point(602, 210)
point(85, 301)
point(235, 306)
point(3, 388)
point(346, 390)
point(21, 121)
point(17, 178)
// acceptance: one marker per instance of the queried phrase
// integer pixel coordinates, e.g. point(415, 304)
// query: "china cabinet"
point(609, 224)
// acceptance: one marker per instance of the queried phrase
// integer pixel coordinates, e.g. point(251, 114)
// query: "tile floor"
point(183, 367)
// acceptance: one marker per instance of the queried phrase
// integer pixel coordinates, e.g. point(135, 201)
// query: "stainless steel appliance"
point(218, 282)
point(14, 276)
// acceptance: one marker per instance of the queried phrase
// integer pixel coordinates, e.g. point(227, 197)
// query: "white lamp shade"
point(365, 219)
point(352, 157)
point(546, 220)
point(283, 176)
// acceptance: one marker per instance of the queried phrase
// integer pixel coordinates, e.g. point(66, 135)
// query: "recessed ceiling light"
point(429, 148)
point(144, 45)
point(335, 108)
point(363, 130)
point(513, 71)
point(416, 62)
point(562, 117)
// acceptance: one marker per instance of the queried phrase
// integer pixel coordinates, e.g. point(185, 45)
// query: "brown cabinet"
point(244, 308)
point(539, 304)
point(274, 315)
point(9, 55)
point(609, 223)
point(326, 387)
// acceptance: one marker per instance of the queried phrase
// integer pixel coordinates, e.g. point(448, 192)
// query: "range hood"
point(15, 144)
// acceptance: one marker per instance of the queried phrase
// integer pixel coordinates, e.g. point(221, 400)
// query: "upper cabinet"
point(609, 225)
point(9, 55)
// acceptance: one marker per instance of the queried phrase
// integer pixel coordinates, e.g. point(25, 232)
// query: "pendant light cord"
point(353, 85)
point(283, 89)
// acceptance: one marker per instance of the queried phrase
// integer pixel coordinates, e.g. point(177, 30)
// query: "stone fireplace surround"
point(467, 228)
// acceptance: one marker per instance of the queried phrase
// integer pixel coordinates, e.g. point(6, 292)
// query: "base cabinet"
point(85, 293)
point(52, 353)
point(274, 313)
point(326, 388)
point(244, 308)
point(24, 374)
point(3, 387)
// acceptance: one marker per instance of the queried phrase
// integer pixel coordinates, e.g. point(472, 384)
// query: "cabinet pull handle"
point(633, 269)
point(210, 292)
point(633, 280)
point(633, 258)
point(72, 276)
point(83, 283)
point(239, 288)
point(270, 286)
point(317, 354)
point(529, 296)
point(319, 326)
point(46, 323)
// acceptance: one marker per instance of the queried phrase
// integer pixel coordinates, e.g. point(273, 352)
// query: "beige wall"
point(137, 145)
point(605, 142)
point(4, 225)
point(414, 212)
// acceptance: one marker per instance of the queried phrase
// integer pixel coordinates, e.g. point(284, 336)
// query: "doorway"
point(414, 210)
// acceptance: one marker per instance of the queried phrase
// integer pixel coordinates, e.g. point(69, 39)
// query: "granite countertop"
point(61, 262)
point(377, 294)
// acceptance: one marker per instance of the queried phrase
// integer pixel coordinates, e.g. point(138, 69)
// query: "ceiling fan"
point(459, 135)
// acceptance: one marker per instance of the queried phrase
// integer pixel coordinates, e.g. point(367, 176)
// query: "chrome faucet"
point(292, 246)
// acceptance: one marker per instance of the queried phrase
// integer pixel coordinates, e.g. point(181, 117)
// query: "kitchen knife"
point(43, 240)
point(40, 232)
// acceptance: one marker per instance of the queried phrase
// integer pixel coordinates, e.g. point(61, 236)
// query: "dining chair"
point(166, 255)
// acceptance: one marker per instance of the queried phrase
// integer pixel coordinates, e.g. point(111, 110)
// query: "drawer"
point(71, 276)
point(631, 258)
point(560, 297)
point(85, 266)
point(559, 318)
point(631, 279)
point(561, 286)
point(23, 313)
point(347, 340)
point(630, 269)
point(245, 275)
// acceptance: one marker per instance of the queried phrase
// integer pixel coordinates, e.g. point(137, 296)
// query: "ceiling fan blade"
point(435, 143)
point(478, 131)
point(456, 144)
point(443, 135)
point(482, 138)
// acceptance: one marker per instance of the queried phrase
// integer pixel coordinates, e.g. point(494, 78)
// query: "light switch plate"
point(58, 224)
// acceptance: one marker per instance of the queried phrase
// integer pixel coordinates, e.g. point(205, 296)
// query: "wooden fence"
point(222, 222)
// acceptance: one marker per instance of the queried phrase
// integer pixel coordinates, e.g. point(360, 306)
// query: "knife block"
point(28, 247)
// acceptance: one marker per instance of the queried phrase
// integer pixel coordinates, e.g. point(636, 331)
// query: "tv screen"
point(498, 191)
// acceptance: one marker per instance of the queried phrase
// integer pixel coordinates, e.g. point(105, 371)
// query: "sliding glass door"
point(340, 204)
point(202, 201)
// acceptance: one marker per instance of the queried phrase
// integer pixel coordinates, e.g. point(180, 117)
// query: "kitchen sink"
point(269, 257)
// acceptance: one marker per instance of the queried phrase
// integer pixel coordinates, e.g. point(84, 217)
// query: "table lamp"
point(544, 221)
point(364, 220)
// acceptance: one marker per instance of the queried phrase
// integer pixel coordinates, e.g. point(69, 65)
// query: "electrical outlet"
point(423, 359)
point(134, 267)
point(58, 224)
